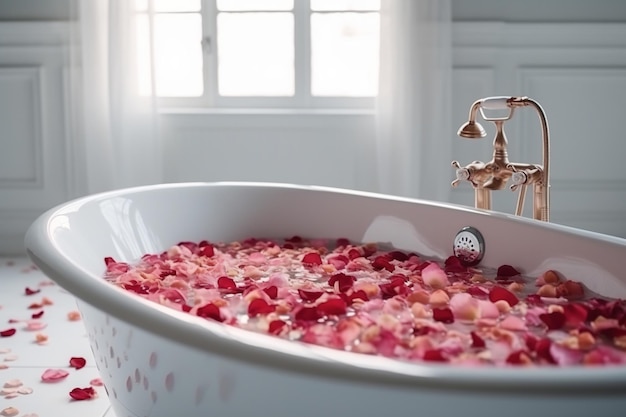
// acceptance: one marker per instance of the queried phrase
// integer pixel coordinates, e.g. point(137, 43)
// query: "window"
point(260, 53)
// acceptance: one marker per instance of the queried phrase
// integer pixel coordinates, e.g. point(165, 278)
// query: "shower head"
point(472, 130)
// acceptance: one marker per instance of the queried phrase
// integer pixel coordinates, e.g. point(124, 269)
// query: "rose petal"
point(37, 315)
point(434, 276)
point(464, 307)
point(54, 375)
point(443, 315)
point(7, 332)
point(81, 394)
point(276, 326)
point(332, 307)
point(29, 291)
point(554, 320)
point(506, 271)
point(342, 281)
point(312, 259)
point(309, 296)
point(259, 306)
point(77, 362)
point(271, 291)
point(96, 382)
point(477, 341)
point(513, 323)
point(453, 264)
point(500, 293)
point(210, 311)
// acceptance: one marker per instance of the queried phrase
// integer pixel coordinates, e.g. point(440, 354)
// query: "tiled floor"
point(23, 360)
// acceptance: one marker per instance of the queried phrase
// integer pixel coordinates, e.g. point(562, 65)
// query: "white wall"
point(576, 71)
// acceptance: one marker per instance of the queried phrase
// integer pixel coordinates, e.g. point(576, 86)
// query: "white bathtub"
point(159, 362)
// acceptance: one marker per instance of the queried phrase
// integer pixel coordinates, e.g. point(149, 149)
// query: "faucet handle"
point(465, 173)
point(462, 174)
point(524, 176)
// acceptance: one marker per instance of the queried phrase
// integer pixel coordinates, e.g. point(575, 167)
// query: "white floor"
point(23, 360)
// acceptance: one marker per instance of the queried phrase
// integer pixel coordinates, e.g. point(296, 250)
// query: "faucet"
point(494, 175)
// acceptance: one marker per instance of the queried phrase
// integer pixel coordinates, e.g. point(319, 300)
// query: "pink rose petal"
point(54, 375)
point(434, 276)
point(464, 307)
point(513, 323)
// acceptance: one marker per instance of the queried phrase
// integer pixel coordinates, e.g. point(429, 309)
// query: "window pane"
point(337, 5)
point(177, 55)
point(169, 5)
point(176, 5)
point(252, 5)
point(344, 54)
point(144, 74)
point(255, 54)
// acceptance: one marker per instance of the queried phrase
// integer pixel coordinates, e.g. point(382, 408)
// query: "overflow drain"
point(469, 246)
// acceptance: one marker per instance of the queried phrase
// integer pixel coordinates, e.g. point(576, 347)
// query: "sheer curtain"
point(114, 129)
point(413, 107)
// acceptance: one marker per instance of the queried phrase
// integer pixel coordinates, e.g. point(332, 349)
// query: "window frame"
point(302, 98)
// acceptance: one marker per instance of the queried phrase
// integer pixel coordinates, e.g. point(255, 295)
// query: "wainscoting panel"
point(33, 163)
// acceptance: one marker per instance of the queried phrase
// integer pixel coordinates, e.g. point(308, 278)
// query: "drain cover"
point(469, 246)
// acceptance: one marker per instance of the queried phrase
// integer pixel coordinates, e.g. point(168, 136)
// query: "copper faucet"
point(495, 174)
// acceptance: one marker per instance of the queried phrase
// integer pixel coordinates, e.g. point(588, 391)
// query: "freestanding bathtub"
point(155, 361)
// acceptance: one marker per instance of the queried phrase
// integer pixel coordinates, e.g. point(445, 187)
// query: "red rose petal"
point(309, 296)
point(77, 362)
point(453, 264)
point(312, 259)
point(519, 357)
point(358, 295)
point(477, 291)
point(382, 262)
point(271, 291)
point(332, 307)
point(344, 282)
point(500, 293)
point(259, 306)
point(354, 253)
point(210, 311)
point(276, 326)
point(81, 394)
point(507, 271)
point(28, 291)
point(554, 320)
point(307, 314)
point(575, 314)
point(477, 341)
point(7, 332)
point(434, 355)
point(342, 241)
point(443, 315)
point(226, 283)
point(206, 250)
point(398, 255)
point(37, 315)
point(542, 349)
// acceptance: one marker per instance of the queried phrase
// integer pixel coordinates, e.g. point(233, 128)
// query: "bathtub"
point(156, 361)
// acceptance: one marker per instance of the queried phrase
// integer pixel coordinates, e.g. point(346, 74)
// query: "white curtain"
point(413, 106)
point(114, 129)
